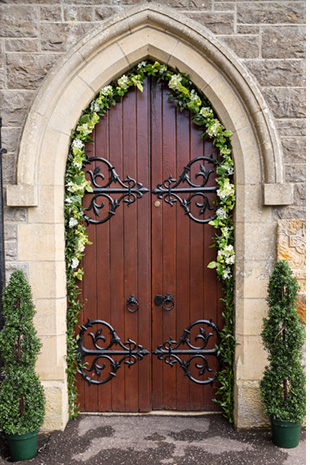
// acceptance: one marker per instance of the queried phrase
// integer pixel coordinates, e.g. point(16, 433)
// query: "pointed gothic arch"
point(100, 56)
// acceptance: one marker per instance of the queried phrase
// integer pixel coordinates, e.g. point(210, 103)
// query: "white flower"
point(68, 200)
point(214, 129)
point(107, 90)
point(141, 65)
point(206, 111)
point(163, 69)
point(80, 245)
point(228, 168)
point(123, 82)
point(225, 231)
point(94, 106)
point(194, 97)
point(74, 262)
point(226, 190)
point(77, 163)
point(226, 274)
point(73, 222)
point(78, 144)
point(175, 82)
point(221, 214)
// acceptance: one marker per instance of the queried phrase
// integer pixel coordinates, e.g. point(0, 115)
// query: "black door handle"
point(166, 301)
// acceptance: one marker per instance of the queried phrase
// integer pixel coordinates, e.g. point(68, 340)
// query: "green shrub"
point(22, 402)
point(283, 384)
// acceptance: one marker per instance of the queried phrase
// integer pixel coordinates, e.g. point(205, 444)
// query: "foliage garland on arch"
point(186, 96)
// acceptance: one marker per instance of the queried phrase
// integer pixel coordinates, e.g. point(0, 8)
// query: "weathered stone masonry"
point(267, 37)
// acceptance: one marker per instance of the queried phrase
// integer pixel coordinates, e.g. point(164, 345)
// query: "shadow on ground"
point(157, 440)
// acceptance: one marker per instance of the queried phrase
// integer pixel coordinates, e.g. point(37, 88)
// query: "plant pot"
point(285, 434)
point(22, 446)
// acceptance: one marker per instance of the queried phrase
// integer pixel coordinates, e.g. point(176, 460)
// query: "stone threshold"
point(167, 413)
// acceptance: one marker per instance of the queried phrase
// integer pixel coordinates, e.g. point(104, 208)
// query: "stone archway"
point(110, 50)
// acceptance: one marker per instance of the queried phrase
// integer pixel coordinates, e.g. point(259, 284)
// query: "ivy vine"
point(186, 96)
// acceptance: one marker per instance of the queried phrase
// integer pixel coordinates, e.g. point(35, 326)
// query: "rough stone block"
point(14, 108)
point(50, 13)
point(26, 71)
point(248, 29)
point(10, 232)
point(201, 4)
point(284, 42)
point(291, 246)
point(295, 173)
point(73, 13)
point(294, 149)
point(286, 102)
point(271, 12)
point(10, 138)
point(22, 45)
point(291, 127)
point(10, 250)
point(219, 23)
point(9, 168)
point(244, 47)
point(15, 214)
point(300, 194)
point(278, 73)
point(295, 211)
point(18, 21)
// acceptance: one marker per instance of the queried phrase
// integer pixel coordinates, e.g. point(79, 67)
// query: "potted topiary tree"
point(283, 384)
point(22, 402)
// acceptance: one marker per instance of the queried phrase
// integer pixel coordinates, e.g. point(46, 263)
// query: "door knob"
point(166, 301)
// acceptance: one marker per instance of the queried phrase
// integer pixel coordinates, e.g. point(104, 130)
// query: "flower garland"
point(185, 96)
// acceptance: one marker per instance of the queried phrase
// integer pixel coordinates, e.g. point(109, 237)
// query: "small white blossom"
point(175, 82)
point(123, 82)
point(78, 144)
point(226, 274)
point(80, 245)
point(73, 222)
point(206, 111)
point(75, 262)
point(221, 214)
point(107, 90)
point(94, 106)
point(68, 200)
point(226, 191)
point(194, 97)
point(214, 129)
point(163, 69)
point(141, 65)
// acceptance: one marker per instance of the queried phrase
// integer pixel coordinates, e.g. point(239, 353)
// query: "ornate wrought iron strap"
point(170, 191)
point(171, 352)
point(129, 188)
point(129, 351)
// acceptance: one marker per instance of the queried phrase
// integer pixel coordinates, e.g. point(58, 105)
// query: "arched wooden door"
point(146, 279)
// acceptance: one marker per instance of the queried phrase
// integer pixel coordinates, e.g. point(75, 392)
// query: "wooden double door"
point(148, 338)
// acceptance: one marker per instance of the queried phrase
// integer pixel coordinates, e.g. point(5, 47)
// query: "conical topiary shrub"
point(22, 402)
point(283, 384)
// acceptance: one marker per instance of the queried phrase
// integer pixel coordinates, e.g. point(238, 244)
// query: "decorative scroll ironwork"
point(169, 190)
point(129, 188)
point(132, 304)
point(171, 353)
point(129, 351)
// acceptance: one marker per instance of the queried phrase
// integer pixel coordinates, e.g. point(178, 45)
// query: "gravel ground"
point(157, 440)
